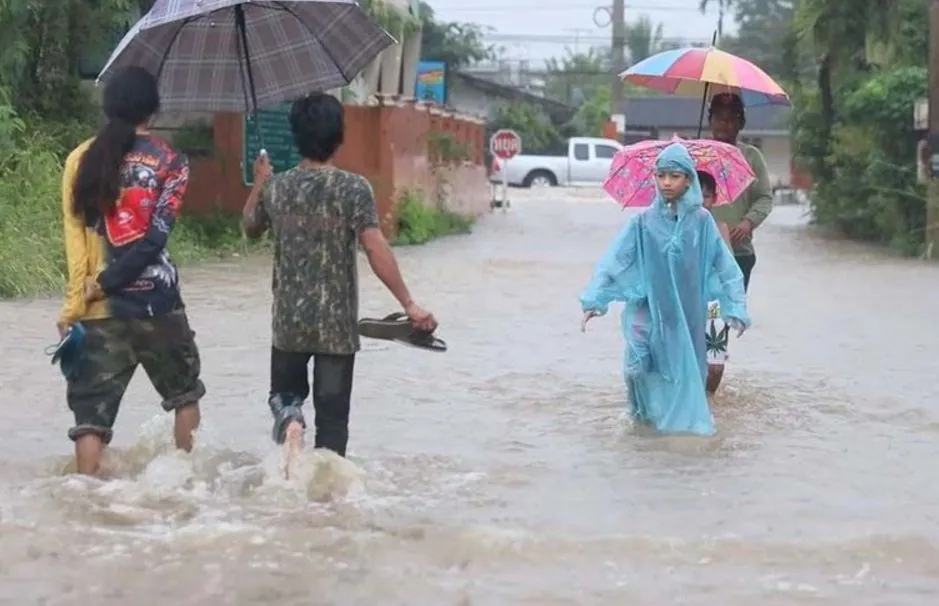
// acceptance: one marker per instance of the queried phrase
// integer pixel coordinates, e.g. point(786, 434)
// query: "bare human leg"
point(293, 444)
point(715, 376)
point(185, 425)
point(88, 450)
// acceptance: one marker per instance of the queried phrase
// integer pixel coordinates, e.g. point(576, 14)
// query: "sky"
point(538, 29)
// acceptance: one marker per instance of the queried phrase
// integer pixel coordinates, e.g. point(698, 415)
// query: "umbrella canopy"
point(238, 55)
point(631, 181)
point(698, 71)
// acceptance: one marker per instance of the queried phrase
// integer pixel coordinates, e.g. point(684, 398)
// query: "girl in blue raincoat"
point(665, 266)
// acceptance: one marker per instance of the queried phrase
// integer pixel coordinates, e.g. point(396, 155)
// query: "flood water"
point(503, 472)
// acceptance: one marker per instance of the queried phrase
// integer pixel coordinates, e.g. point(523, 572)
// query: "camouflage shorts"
point(163, 345)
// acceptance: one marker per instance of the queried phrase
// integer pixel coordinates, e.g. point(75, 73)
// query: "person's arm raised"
point(255, 219)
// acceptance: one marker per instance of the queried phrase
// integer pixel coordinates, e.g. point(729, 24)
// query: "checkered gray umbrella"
point(238, 55)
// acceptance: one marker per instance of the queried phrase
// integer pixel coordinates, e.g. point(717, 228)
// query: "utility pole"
point(577, 32)
point(932, 201)
point(618, 17)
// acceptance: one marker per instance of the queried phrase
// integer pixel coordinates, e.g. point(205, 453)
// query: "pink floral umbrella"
point(632, 174)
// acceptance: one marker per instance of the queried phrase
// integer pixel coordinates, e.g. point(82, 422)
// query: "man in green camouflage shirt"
point(747, 212)
point(318, 215)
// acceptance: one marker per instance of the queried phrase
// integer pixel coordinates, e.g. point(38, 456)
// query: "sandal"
point(397, 327)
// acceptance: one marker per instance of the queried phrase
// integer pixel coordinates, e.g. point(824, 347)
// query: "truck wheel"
point(540, 178)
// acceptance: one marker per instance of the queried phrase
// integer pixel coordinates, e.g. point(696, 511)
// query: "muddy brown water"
point(503, 472)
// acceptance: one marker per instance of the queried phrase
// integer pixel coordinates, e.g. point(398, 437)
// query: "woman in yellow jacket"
point(121, 194)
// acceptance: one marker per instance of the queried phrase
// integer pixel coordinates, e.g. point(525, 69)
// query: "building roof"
point(510, 92)
point(682, 113)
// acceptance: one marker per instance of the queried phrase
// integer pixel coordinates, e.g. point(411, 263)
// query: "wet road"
point(502, 472)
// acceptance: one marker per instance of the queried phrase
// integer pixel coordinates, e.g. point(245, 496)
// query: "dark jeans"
point(746, 263)
point(332, 393)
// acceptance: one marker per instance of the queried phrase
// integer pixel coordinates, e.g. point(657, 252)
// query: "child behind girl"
point(717, 336)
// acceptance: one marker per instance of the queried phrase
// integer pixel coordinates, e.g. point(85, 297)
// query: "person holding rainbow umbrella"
point(727, 86)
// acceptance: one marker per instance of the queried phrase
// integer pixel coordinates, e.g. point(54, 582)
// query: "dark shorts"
point(164, 345)
point(746, 264)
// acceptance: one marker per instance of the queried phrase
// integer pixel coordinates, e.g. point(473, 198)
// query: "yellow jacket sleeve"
point(76, 246)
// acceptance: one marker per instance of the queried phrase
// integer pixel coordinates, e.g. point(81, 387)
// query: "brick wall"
point(390, 144)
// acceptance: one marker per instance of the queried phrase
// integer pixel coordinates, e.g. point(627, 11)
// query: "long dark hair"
point(130, 99)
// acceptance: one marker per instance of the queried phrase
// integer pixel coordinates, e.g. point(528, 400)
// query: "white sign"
point(921, 115)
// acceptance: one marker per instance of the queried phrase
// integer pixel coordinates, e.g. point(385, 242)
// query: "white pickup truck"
point(587, 162)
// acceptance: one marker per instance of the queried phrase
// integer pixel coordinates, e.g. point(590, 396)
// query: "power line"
point(569, 39)
point(565, 7)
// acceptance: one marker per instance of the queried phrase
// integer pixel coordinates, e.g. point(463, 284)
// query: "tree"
point(840, 32)
point(592, 116)
point(532, 125)
point(456, 44)
point(853, 127)
point(722, 7)
point(574, 77)
point(643, 39)
point(39, 47)
point(766, 37)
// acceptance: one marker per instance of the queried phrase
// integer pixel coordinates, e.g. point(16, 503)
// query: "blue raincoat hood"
point(675, 157)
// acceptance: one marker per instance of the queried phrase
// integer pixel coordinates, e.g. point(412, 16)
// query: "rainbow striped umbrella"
point(702, 71)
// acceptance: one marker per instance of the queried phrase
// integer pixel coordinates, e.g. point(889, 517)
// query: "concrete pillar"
point(369, 78)
point(391, 67)
point(411, 56)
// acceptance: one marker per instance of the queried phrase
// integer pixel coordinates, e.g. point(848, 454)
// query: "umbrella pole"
point(707, 89)
point(704, 100)
point(248, 89)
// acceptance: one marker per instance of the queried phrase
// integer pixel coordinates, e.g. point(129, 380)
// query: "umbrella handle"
point(707, 86)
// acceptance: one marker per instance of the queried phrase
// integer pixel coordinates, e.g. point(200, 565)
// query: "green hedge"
point(866, 175)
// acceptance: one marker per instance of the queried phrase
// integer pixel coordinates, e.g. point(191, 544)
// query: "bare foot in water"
point(293, 444)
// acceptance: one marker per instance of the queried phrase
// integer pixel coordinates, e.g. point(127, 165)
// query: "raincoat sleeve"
point(725, 280)
point(617, 277)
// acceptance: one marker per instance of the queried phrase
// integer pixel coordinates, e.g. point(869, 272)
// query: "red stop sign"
point(505, 144)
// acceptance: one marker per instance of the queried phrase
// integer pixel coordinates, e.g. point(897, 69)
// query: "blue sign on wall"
point(431, 82)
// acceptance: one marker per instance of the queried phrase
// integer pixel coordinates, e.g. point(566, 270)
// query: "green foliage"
point(644, 39)
point(393, 20)
point(910, 40)
point(196, 139)
point(418, 222)
point(40, 49)
point(575, 77)
point(723, 6)
point(868, 187)
point(32, 255)
point(456, 44)
point(533, 126)
point(852, 122)
point(445, 148)
point(593, 114)
point(766, 36)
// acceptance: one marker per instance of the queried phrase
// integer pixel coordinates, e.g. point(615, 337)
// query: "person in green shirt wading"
point(726, 119)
